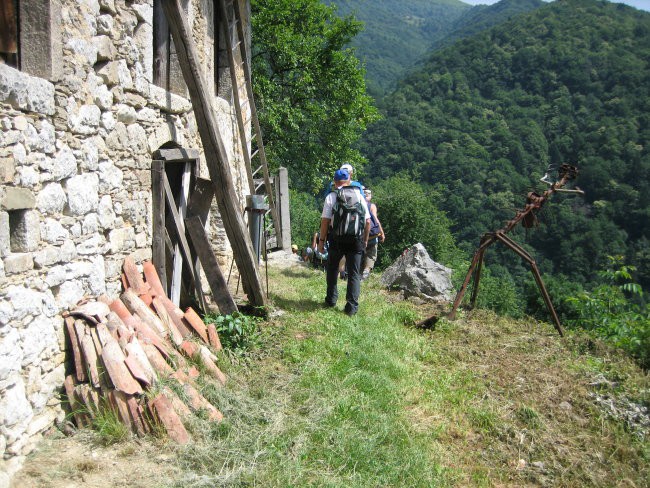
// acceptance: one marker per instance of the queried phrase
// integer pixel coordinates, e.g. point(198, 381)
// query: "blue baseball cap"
point(341, 175)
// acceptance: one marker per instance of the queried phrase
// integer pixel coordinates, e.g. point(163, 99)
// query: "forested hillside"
point(397, 33)
point(482, 17)
point(483, 119)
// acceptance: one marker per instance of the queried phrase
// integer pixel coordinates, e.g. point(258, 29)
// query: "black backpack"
point(348, 215)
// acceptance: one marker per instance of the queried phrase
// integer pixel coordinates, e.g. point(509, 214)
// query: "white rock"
point(103, 97)
point(108, 121)
point(105, 24)
point(91, 246)
point(85, 49)
point(51, 199)
point(25, 92)
point(65, 164)
point(105, 212)
point(11, 354)
point(53, 232)
point(110, 177)
point(90, 224)
point(38, 339)
point(83, 193)
point(97, 278)
point(86, 120)
point(6, 313)
point(14, 407)
point(56, 275)
point(28, 177)
point(126, 114)
point(69, 294)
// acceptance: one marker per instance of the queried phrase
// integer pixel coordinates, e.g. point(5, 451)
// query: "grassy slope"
point(327, 400)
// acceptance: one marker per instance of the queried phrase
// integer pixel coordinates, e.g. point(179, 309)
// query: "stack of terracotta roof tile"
point(127, 350)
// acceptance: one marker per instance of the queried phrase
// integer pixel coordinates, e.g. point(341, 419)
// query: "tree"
point(309, 87)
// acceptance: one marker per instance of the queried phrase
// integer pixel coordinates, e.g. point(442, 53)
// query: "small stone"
point(18, 263)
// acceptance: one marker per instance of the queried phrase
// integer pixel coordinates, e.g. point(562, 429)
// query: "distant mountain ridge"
point(483, 17)
point(399, 33)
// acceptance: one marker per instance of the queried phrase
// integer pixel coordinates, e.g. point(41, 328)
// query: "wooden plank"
point(80, 370)
point(179, 229)
point(201, 199)
point(158, 224)
point(9, 32)
point(211, 268)
point(177, 155)
point(215, 152)
point(177, 268)
point(161, 44)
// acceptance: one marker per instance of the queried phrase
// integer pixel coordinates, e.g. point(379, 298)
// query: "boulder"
point(416, 274)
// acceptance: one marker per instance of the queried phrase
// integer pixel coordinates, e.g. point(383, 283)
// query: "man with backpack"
point(345, 225)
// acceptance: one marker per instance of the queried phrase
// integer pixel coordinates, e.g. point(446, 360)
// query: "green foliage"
point(408, 215)
point(482, 120)
point(499, 293)
point(237, 331)
point(309, 87)
point(610, 311)
point(305, 210)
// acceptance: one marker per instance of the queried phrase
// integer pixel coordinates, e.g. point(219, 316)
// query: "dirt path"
point(79, 461)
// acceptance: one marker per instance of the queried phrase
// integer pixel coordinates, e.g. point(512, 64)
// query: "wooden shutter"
point(8, 27)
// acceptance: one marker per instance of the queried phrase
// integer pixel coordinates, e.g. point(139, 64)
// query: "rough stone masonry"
point(76, 145)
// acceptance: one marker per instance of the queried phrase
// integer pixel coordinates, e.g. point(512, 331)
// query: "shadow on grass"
point(298, 305)
point(302, 272)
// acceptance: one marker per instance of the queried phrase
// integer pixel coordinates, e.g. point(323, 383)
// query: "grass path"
point(328, 400)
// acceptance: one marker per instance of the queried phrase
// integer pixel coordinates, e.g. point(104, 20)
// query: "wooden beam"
point(159, 232)
point(211, 268)
point(177, 155)
point(215, 152)
point(201, 200)
point(179, 229)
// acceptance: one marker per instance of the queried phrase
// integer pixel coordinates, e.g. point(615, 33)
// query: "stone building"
point(90, 92)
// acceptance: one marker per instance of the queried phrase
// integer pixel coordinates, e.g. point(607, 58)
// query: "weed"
point(236, 331)
point(109, 427)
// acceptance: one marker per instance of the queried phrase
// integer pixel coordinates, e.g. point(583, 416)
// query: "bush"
point(408, 214)
point(610, 312)
point(237, 331)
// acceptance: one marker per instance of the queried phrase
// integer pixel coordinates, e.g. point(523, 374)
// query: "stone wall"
point(75, 194)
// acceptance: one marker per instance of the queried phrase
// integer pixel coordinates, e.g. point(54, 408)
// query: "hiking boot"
point(343, 275)
point(349, 312)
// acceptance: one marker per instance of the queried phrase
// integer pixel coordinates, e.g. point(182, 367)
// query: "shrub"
point(237, 331)
point(610, 312)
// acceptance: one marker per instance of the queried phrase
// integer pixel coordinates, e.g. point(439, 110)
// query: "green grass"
point(329, 400)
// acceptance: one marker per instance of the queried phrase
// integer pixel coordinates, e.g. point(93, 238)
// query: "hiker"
point(313, 255)
point(345, 225)
point(348, 167)
point(376, 236)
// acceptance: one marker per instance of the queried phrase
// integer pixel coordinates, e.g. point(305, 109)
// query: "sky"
point(640, 4)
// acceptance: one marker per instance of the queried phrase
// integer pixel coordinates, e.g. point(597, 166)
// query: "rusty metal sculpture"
point(528, 219)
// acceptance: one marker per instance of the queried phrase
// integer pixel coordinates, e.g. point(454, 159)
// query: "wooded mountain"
point(482, 17)
point(482, 120)
point(397, 33)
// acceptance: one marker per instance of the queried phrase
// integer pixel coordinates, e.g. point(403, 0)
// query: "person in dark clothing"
point(349, 246)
